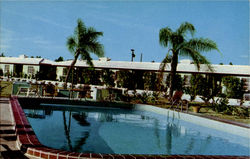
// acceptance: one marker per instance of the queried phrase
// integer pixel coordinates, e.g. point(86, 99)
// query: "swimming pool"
point(128, 131)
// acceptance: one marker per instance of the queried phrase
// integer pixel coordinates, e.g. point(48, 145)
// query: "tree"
point(179, 44)
point(82, 43)
point(90, 76)
point(108, 77)
point(150, 80)
point(125, 79)
point(234, 87)
point(2, 55)
point(208, 86)
point(59, 59)
point(195, 86)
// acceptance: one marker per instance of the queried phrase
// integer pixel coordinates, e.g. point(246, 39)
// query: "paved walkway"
point(8, 139)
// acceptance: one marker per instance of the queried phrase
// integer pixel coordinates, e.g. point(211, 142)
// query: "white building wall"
point(2, 67)
point(59, 72)
point(11, 68)
point(26, 67)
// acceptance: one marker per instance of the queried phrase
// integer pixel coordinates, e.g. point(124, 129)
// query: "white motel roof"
point(183, 66)
point(22, 59)
point(236, 70)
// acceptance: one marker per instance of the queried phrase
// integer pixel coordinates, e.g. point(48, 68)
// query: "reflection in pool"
point(124, 131)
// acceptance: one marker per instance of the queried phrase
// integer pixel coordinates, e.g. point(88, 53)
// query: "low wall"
point(33, 102)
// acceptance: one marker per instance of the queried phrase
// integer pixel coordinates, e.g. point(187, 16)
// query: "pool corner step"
point(8, 132)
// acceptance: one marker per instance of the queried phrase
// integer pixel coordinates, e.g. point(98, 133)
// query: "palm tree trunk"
point(174, 64)
point(66, 131)
point(71, 66)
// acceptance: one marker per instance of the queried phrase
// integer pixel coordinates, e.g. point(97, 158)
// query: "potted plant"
point(195, 106)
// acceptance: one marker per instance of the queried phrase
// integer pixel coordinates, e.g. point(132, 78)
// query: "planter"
point(196, 109)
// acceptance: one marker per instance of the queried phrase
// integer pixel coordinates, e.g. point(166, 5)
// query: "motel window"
point(31, 70)
point(7, 68)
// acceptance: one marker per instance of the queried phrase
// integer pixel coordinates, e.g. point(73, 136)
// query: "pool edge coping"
point(199, 120)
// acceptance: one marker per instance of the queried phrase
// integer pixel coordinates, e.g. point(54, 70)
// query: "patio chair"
point(32, 92)
point(23, 91)
point(176, 99)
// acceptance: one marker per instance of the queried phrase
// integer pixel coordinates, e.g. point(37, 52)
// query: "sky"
point(41, 28)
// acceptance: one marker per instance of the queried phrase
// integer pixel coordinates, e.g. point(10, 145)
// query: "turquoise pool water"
point(123, 131)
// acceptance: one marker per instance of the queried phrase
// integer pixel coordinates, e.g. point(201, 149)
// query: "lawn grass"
point(5, 88)
point(204, 111)
point(210, 112)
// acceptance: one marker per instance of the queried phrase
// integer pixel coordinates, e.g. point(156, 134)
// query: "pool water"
point(124, 131)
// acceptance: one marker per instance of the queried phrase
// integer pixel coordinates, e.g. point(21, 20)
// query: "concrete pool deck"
point(9, 116)
point(8, 140)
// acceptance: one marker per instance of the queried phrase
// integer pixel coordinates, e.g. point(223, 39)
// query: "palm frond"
point(86, 56)
point(80, 30)
point(92, 34)
point(96, 48)
point(196, 57)
point(164, 36)
point(163, 66)
point(164, 63)
point(88, 59)
point(203, 60)
point(184, 28)
point(202, 44)
point(176, 40)
point(71, 44)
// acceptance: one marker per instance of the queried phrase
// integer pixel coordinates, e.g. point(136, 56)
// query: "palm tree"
point(82, 43)
point(179, 44)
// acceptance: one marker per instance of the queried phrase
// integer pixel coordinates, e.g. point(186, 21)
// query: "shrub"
point(234, 87)
point(208, 87)
point(108, 77)
point(240, 111)
point(221, 105)
point(50, 88)
point(195, 84)
point(1, 72)
point(143, 97)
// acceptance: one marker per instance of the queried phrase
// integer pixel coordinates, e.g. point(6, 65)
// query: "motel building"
point(43, 69)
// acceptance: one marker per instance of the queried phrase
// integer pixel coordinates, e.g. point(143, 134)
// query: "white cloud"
point(3, 46)
point(37, 18)
point(38, 41)
point(5, 38)
point(41, 42)
point(44, 20)
point(120, 20)
point(244, 56)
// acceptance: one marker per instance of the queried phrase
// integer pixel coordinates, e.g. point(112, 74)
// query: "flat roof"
point(235, 70)
point(240, 70)
point(25, 61)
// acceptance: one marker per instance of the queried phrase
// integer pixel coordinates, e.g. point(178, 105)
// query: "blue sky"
point(40, 28)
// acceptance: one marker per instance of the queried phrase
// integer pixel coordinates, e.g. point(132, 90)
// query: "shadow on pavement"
point(10, 154)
